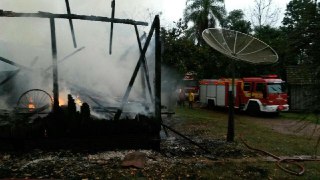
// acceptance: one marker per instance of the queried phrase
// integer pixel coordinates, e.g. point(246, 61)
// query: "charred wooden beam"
point(71, 24)
point(55, 66)
point(14, 64)
point(134, 75)
point(113, 6)
point(185, 137)
point(157, 85)
point(144, 64)
point(71, 16)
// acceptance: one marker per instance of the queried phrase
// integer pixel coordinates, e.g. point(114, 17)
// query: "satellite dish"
point(239, 46)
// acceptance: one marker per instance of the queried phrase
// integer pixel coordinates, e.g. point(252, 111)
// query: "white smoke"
point(23, 39)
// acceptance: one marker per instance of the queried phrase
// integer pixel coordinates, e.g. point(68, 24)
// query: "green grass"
point(214, 123)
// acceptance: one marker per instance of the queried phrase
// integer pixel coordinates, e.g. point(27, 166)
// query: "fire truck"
point(252, 94)
point(189, 83)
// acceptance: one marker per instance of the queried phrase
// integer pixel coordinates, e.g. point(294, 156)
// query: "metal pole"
point(157, 70)
point(55, 66)
point(230, 134)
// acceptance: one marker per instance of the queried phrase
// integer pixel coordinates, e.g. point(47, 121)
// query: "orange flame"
point(62, 102)
point(31, 105)
point(78, 101)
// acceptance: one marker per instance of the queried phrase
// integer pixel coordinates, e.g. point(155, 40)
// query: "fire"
point(78, 101)
point(62, 102)
point(31, 105)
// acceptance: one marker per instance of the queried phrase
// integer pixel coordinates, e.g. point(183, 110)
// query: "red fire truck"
point(253, 94)
point(189, 83)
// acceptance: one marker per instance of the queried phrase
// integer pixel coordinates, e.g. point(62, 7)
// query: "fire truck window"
point(276, 88)
point(247, 86)
point(260, 87)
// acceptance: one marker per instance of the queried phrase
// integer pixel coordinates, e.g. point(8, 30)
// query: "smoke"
point(23, 39)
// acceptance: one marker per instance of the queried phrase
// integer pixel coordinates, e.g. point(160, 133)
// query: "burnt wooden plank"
point(71, 16)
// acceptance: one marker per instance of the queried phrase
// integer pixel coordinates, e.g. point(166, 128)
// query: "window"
point(260, 87)
point(276, 88)
point(247, 86)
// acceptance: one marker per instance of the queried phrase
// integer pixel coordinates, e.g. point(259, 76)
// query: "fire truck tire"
point(253, 108)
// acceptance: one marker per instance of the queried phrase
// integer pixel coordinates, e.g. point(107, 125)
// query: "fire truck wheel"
point(253, 108)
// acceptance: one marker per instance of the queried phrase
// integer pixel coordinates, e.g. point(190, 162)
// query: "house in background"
point(303, 88)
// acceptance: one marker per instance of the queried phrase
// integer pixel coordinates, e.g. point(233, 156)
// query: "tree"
point(264, 13)
point(180, 53)
point(277, 40)
point(301, 24)
point(235, 21)
point(203, 14)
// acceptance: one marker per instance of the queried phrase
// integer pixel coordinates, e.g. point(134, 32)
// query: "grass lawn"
point(213, 124)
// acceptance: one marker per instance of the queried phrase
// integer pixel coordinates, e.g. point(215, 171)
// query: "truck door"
point(260, 91)
point(247, 89)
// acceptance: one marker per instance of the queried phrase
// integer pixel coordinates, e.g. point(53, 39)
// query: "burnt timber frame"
point(154, 28)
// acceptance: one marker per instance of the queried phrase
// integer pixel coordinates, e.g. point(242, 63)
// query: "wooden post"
point(157, 69)
point(55, 66)
point(113, 6)
point(71, 25)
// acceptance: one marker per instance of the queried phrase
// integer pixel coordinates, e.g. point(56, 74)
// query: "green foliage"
point(301, 24)
point(203, 14)
point(235, 21)
point(182, 54)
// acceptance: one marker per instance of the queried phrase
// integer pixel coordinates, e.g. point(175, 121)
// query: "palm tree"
point(203, 14)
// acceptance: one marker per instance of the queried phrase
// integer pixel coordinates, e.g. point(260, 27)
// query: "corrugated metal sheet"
point(302, 97)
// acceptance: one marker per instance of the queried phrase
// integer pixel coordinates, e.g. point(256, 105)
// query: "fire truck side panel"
point(264, 94)
point(211, 91)
point(203, 92)
point(221, 95)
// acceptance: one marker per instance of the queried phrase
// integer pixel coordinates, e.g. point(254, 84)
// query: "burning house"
point(47, 108)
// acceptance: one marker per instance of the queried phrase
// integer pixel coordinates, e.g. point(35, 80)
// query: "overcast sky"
point(173, 9)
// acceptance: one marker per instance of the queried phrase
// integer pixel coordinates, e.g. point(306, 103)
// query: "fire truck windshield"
point(276, 88)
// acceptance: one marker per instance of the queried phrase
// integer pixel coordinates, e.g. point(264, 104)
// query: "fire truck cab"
point(253, 94)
